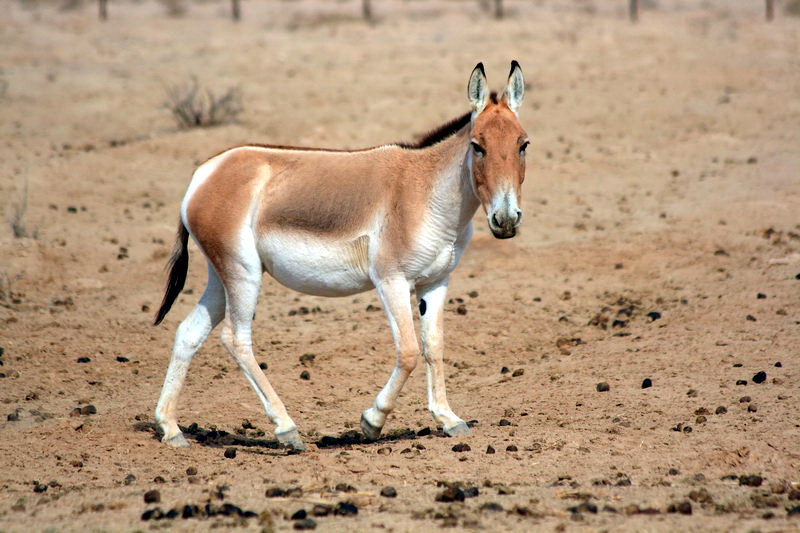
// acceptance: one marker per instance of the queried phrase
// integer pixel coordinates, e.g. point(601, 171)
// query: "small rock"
point(262, 365)
point(683, 507)
point(299, 514)
point(700, 420)
point(89, 410)
point(518, 372)
point(157, 479)
point(778, 364)
point(83, 360)
point(473, 294)
point(12, 417)
point(344, 487)
point(504, 422)
point(511, 448)
point(760, 377)
point(461, 309)
point(122, 359)
point(275, 492)
point(389, 492)
point(153, 514)
point(721, 410)
point(451, 494)
point(305, 375)
point(489, 449)
point(152, 496)
point(321, 510)
point(752, 408)
point(386, 450)
point(40, 487)
point(751, 480)
point(504, 370)
point(461, 447)
point(345, 509)
point(751, 318)
point(130, 478)
point(673, 471)
point(742, 382)
point(701, 495)
point(603, 387)
point(305, 524)
point(191, 471)
point(424, 432)
point(647, 383)
point(230, 453)
point(492, 507)
point(653, 316)
point(503, 490)
point(744, 399)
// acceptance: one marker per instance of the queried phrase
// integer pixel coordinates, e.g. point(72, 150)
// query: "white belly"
point(316, 265)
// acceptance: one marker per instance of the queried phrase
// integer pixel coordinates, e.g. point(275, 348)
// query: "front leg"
point(395, 294)
point(431, 319)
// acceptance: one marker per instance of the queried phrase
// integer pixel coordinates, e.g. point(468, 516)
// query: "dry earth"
point(664, 178)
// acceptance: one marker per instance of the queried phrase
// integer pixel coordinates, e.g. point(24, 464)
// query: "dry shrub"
point(175, 8)
point(195, 107)
point(17, 215)
point(792, 7)
point(7, 298)
point(71, 5)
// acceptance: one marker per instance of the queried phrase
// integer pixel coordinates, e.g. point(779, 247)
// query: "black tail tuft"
point(178, 266)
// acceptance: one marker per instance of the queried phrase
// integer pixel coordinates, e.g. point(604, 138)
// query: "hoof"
point(370, 431)
point(176, 441)
point(459, 429)
point(291, 439)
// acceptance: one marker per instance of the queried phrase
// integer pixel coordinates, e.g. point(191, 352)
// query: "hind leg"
point(189, 337)
point(242, 284)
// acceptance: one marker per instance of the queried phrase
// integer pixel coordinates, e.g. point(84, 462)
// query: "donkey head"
point(497, 152)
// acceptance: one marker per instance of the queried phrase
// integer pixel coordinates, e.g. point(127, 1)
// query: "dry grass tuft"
point(7, 298)
point(174, 8)
point(17, 215)
point(195, 107)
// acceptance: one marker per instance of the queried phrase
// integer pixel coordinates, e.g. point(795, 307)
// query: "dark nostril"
point(519, 217)
point(495, 221)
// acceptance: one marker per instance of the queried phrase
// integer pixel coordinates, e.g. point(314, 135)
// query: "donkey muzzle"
point(504, 216)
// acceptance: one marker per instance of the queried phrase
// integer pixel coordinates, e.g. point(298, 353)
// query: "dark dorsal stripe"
point(429, 139)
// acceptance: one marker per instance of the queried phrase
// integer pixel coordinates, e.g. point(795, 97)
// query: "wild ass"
point(333, 223)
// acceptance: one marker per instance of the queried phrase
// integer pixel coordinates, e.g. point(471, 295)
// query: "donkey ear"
point(477, 92)
point(515, 90)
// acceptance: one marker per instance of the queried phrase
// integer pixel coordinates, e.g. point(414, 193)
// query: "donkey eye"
point(477, 149)
point(523, 147)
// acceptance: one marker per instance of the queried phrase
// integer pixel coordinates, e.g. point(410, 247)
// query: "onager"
point(333, 223)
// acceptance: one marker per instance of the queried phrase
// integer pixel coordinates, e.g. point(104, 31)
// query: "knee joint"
point(407, 359)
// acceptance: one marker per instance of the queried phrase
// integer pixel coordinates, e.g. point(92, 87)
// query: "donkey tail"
point(178, 266)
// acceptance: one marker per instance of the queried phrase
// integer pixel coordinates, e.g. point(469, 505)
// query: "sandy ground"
point(664, 177)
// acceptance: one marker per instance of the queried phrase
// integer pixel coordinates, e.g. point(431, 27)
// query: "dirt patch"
point(660, 243)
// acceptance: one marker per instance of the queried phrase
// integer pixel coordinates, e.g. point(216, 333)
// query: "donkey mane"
point(444, 131)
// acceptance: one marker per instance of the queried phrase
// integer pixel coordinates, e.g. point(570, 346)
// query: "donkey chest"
point(434, 259)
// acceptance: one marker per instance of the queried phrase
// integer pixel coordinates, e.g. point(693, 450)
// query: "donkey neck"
point(452, 202)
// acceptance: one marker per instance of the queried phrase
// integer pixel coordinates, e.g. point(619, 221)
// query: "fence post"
point(633, 10)
point(366, 10)
point(498, 9)
point(102, 9)
point(770, 10)
point(235, 11)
